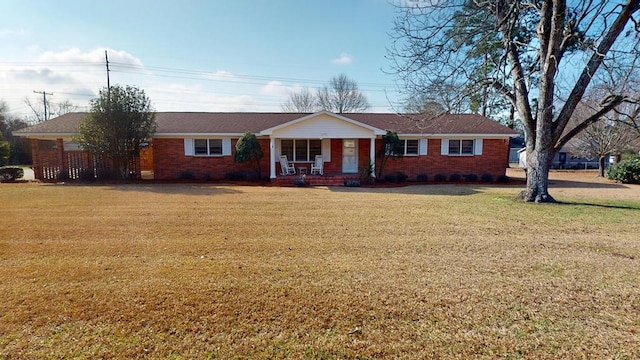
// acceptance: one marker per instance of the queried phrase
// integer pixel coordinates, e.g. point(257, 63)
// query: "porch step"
point(314, 180)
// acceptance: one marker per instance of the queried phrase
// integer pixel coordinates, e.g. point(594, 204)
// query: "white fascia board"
point(375, 130)
point(45, 136)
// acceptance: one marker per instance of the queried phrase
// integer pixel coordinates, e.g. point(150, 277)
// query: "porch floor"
point(315, 180)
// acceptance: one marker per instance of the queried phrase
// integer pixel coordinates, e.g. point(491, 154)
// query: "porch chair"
point(318, 166)
point(287, 168)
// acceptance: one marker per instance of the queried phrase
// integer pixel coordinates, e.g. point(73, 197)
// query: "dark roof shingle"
point(237, 123)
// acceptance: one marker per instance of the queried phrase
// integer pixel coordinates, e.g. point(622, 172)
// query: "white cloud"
point(344, 59)
point(71, 74)
point(275, 88)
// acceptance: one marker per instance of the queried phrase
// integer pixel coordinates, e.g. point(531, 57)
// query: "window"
point(411, 147)
point(207, 147)
point(301, 149)
point(461, 147)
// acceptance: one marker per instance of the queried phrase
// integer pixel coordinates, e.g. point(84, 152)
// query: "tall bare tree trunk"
point(539, 159)
point(601, 166)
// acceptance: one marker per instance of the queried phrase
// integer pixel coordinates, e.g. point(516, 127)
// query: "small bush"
point(626, 171)
point(242, 176)
point(187, 175)
point(62, 176)
point(422, 177)
point(440, 177)
point(107, 174)
point(11, 173)
point(301, 181)
point(396, 177)
point(503, 179)
point(486, 178)
point(455, 177)
point(206, 176)
point(352, 183)
point(87, 175)
point(471, 177)
point(365, 172)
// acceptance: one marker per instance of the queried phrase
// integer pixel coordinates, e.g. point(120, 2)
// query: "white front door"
point(349, 155)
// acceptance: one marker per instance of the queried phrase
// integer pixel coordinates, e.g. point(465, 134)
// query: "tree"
point(53, 109)
point(301, 102)
point(120, 122)
point(612, 135)
point(19, 149)
point(5, 151)
point(391, 149)
point(539, 44)
point(341, 96)
point(248, 149)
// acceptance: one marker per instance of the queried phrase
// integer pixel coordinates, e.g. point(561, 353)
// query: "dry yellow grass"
point(213, 271)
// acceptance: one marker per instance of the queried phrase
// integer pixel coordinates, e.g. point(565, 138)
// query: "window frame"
point(459, 149)
point(405, 147)
point(209, 147)
point(292, 150)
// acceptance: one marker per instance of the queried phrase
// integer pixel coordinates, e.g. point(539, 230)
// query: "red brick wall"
point(493, 161)
point(170, 162)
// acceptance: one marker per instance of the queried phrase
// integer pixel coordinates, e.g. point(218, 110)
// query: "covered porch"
point(345, 146)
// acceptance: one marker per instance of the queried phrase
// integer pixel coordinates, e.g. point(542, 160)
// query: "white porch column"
point(372, 156)
point(272, 157)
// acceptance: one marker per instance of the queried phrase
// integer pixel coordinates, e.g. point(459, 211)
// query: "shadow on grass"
point(584, 185)
point(178, 189)
point(613, 205)
point(448, 190)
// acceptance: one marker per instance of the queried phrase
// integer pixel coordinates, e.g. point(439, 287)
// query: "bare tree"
point(300, 102)
point(533, 41)
point(53, 109)
point(617, 131)
point(342, 96)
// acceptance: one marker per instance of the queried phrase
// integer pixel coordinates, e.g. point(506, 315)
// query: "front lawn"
point(210, 271)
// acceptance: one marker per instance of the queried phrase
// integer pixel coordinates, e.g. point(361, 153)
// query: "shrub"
point(187, 175)
point(396, 177)
point(62, 176)
point(471, 177)
point(301, 181)
point(422, 177)
point(87, 175)
point(455, 177)
point(440, 177)
point(352, 183)
point(503, 179)
point(626, 171)
point(11, 173)
point(107, 174)
point(242, 176)
point(206, 176)
point(486, 177)
point(365, 172)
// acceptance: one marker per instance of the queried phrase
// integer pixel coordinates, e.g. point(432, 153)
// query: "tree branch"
point(612, 102)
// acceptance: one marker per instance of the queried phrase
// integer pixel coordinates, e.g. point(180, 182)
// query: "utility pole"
point(44, 101)
point(106, 58)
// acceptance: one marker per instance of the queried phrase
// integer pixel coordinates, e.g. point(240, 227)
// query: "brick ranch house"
point(202, 144)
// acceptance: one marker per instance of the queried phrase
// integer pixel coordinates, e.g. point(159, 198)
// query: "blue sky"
point(194, 55)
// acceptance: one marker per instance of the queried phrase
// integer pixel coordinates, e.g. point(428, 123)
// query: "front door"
point(350, 156)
